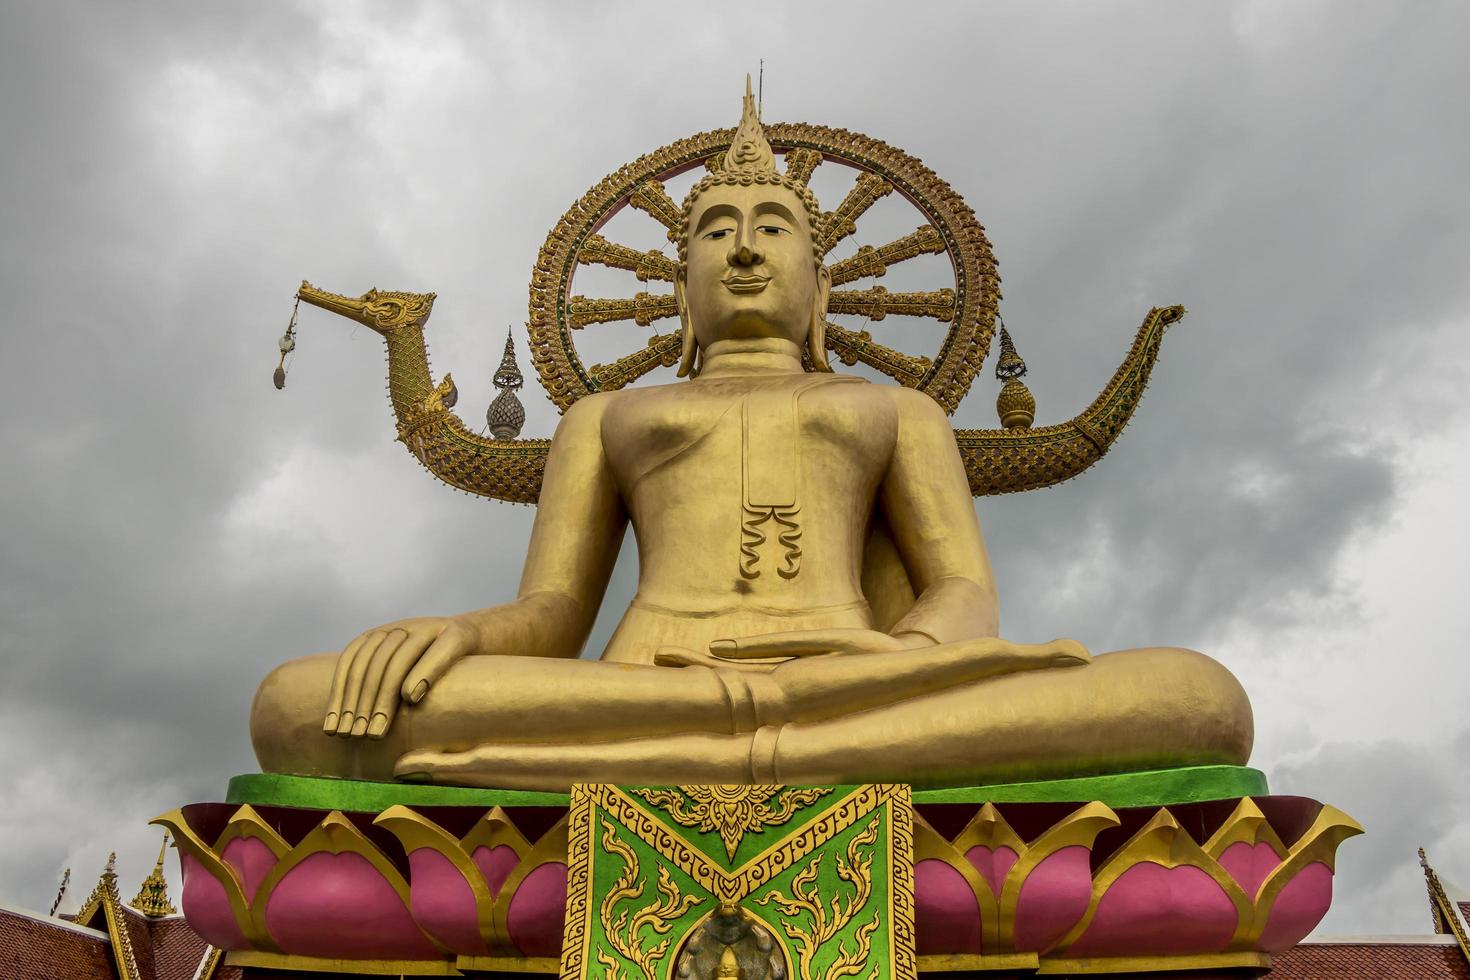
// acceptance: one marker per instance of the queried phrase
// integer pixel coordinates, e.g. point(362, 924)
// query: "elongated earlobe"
point(816, 337)
point(688, 347)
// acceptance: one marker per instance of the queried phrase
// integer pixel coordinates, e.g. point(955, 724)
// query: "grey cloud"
point(171, 172)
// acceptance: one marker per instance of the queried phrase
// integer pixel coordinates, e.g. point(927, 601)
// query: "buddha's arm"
point(926, 499)
point(579, 527)
point(574, 544)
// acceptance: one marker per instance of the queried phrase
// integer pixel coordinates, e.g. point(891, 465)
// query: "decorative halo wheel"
point(968, 304)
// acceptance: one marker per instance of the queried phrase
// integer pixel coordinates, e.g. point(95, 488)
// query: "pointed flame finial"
point(750, 152)
point(1016, 406)
point(506, 415)
point(508, 375)
point(61, 892)
point(152, 898)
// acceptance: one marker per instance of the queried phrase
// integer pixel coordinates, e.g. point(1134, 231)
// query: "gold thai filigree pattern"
point(642, 309)
point(732, 811)
point(877, 302)
point(800, 163)
point(626, 929)
point(867, 903)
point(841, 222)
point(662, 350)
point(951, 225)
point(650, 196)
point(651, 264)
point(874, 262)
point(813, 915)
point(852, 346)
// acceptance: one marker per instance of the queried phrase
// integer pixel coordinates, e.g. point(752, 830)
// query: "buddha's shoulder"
point(911, 404)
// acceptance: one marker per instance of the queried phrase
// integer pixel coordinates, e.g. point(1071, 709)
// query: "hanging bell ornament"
point(287, 343)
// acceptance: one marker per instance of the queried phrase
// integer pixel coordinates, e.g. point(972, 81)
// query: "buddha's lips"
point(746, 284)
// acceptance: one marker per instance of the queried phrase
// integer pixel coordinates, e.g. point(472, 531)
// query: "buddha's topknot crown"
point(750, 160)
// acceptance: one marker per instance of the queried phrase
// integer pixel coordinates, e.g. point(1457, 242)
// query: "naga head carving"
point(379, 310)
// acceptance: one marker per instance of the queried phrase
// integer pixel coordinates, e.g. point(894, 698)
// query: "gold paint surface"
point(815, 604)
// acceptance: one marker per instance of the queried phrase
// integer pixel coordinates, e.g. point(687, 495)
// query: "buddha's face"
point(750, 271)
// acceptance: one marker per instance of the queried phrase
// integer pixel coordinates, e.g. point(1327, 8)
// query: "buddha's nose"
point(745, 253)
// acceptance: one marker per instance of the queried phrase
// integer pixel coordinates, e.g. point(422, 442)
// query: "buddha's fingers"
point(806, 643)
point(660, 760)
point(454, 641)
point(373, 679)
point(813, 690)
point(684, 657)
point(347, 720)
point(339, 684)
point(389, 698)
point(989, 655)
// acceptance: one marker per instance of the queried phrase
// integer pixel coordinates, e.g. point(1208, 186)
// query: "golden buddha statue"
point(814, 602)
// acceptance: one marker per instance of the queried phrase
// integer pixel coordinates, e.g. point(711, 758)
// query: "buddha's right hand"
point(393, 663)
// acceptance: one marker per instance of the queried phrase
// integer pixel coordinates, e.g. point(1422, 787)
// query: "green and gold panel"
point(744, 882)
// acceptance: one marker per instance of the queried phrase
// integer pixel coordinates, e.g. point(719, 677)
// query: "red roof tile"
point(136, 923)
point(1371, 961)
point(177, 949)
point(35, 948)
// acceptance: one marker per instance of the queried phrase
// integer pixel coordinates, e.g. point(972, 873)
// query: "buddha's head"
point(748, 260)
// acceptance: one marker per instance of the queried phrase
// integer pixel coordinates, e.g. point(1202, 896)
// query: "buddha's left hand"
point(769, 650)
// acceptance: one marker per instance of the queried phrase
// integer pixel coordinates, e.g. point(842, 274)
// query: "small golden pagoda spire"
point(506, 415)
point(152, 898)
point(1016, 406)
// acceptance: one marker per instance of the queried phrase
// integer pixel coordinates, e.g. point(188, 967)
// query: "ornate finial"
point(729, 968)
point(1010, 364)
point(110, 872)
point(749, 152)
point(506, 415)
point(509, 373)
point(152, 898)
point(61, 892)
point(1015, 405)
point(1443, 910)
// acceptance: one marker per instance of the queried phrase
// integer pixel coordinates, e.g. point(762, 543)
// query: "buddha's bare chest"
point(751, 489)
point(765, 439)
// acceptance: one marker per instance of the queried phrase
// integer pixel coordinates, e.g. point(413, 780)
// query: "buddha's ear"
point(688, 349)
point(816, 337)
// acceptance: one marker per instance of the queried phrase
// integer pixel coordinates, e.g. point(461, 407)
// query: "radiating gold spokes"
point(967, 303)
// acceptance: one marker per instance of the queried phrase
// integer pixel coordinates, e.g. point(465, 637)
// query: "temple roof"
point(1374, 958)
point(108, 940)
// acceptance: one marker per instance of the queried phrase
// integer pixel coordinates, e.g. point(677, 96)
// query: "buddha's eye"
point(773, 230)
point(717, 234)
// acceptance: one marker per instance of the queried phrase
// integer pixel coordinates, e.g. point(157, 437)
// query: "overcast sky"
point(1289, 497)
